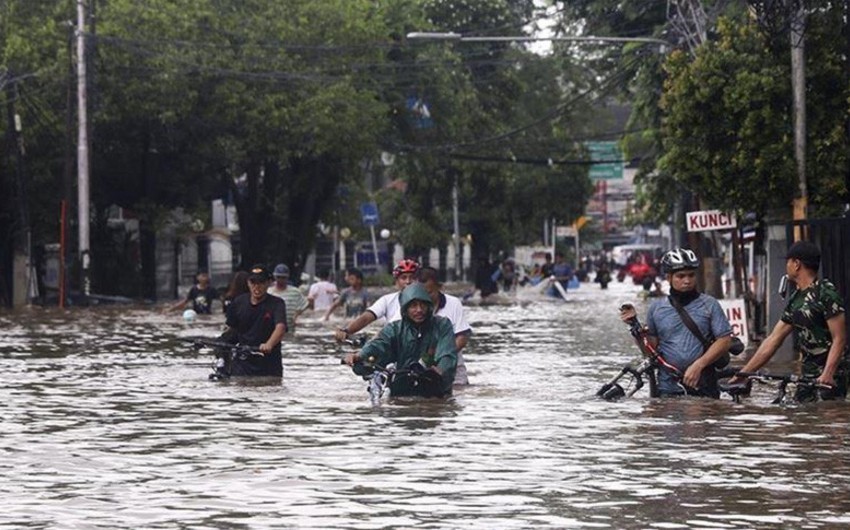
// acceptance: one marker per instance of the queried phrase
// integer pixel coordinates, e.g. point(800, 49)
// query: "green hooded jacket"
point(404, 343)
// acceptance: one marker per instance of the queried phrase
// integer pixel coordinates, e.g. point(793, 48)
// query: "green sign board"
point(607, 160)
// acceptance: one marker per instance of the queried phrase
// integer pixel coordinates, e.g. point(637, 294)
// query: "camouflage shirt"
point(807, 311)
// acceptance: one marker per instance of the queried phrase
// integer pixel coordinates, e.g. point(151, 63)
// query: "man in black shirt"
point(201, 296)
point(258, 320)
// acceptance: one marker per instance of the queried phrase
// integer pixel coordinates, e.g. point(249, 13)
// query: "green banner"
point(608, 160)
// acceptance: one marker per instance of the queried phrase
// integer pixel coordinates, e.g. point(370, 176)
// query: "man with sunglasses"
point(815, 312)
point(258, 320)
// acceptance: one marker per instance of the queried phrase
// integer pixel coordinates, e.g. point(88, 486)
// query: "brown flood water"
point(109, 421)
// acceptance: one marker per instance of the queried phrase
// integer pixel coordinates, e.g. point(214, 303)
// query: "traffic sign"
point(607, 160)
point(369, 214)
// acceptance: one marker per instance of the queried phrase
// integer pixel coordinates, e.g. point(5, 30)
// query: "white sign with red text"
point(736, 312)
point(706, 220)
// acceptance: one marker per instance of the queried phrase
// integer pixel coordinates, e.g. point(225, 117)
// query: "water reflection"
point(109, 422)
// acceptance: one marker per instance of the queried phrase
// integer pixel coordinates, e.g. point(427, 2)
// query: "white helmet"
point(679, 259)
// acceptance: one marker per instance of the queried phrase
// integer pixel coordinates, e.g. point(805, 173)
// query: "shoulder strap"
point(689, 322)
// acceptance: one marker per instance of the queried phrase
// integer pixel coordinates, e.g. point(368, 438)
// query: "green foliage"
point(34, 81)
point(727, 130)
point(491, 102)
point(728, 126)
point(383, 279)
point(283, 105)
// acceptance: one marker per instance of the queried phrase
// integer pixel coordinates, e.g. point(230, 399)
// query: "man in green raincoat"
point(419, 342)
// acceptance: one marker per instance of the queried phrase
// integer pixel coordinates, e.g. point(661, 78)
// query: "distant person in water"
point(201, 296)
point(322, 293)
point(295, 301)
point(355, 298)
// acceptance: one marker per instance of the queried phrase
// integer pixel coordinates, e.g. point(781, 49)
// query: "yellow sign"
point(580, 222)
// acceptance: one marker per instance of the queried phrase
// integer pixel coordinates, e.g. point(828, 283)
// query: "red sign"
point(710, 220)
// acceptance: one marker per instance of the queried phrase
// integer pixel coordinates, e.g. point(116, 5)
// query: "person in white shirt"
point(322, 293)
point(450, 307)
point(385, 306)
point(447, 306)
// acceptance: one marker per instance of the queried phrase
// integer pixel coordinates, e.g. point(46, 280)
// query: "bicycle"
point(413, 380)
point(224, 353)
point(613, 390)
point(740, 390)
point(647, 367)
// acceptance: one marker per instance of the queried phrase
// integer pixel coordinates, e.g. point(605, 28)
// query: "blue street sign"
point(369, 213)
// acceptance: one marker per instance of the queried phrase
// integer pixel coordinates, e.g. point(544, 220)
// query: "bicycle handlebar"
point(209, 343)
point(786, 378)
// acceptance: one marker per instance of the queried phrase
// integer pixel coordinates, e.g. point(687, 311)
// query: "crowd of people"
point(262, 307)
point(428, 327)
point(506, 276)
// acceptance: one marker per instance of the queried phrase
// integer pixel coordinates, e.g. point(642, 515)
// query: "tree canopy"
point(292, 112)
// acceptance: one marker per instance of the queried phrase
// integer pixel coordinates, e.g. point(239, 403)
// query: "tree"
point(726, 124)
point(488, 102)
point(34, 82)
point(205, 100)
point(728, 121)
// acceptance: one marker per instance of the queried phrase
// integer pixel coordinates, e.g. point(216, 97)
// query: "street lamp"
point(452, 36)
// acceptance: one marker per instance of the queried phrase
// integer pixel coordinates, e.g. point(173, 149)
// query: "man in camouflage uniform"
point(816, 313)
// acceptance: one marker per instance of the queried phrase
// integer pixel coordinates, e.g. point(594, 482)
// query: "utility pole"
point(23, 243)
point(798, 83)
point(458, 255)
point(83, 193)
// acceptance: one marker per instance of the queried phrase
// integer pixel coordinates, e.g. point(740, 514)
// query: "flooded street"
point(109, 421)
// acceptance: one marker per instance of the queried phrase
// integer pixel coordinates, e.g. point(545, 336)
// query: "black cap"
point(259, 272)
point(805, 251)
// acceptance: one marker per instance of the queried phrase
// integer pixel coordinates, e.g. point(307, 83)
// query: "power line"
point(540, 161)
point(549, 116)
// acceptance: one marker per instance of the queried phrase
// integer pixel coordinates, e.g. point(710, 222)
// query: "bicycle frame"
point(737, 391)
point(652, 360)
point(377, 377)
point(224, 353)
point(613, 390)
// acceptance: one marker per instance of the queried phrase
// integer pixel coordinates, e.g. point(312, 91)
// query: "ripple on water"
point(109, 422)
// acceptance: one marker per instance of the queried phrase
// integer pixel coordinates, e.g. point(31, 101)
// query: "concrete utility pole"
point(456, 223)
point(798, 83)
point(24, 280)
point(83, 193)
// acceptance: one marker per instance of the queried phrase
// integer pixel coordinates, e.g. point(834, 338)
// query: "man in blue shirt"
point(679, 346)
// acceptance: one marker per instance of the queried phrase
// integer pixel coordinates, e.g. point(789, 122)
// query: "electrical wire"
point(547, 117)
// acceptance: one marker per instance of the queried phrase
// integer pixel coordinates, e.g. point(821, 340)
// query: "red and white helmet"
point(405, 266)
point(679, 259)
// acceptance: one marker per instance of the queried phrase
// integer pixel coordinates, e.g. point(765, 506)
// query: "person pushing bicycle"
point(815, 312)
point(420, 341)
point(692, 348)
